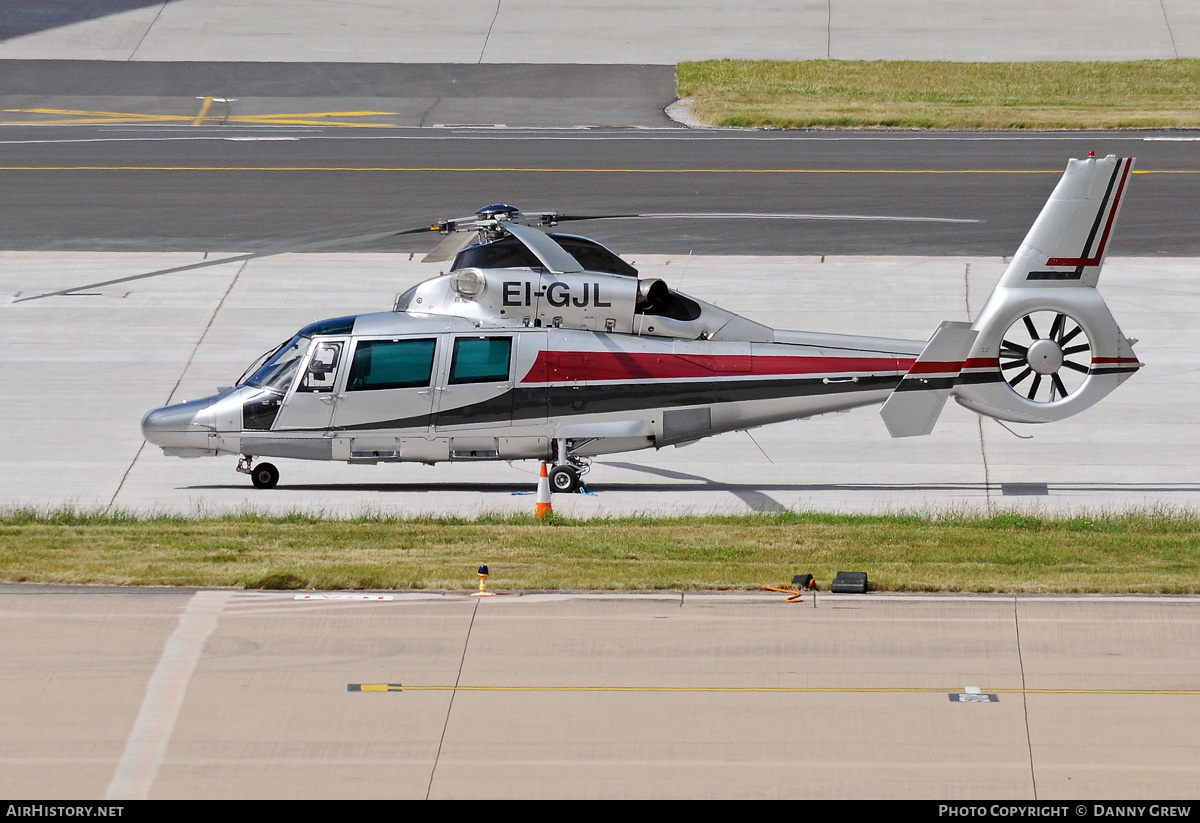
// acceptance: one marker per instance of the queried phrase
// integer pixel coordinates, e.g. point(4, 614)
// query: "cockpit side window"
point(322, 368)
point(391, 364)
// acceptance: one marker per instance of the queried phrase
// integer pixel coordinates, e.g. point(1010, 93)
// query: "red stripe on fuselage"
point(981, 363)
point(937, 367)
point(554, 367)
point(1105, 361)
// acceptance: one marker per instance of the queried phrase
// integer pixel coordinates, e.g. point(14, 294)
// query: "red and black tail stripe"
point(1083, 260)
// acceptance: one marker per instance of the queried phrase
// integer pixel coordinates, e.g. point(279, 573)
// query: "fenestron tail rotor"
point(1045, 356)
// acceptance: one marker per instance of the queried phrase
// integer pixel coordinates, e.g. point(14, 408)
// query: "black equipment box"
point(849, 583)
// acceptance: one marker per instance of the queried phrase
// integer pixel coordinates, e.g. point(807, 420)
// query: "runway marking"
point(203, 111)
point(564, 170)
point(395, 687)
point(151, 733)
point(64, 117)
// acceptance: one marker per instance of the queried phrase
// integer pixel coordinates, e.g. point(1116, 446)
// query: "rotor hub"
point(501, 211)
point(1044, 356)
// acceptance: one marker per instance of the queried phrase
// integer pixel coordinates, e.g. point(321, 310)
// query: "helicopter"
point(538, 344)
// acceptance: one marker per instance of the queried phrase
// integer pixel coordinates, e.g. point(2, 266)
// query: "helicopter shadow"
point(757, 496)
point(24, 17)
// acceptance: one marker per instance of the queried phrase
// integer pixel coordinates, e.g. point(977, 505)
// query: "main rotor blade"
point(552, 255)
point(889, 218)
point(568, 218)
point(451, 245)
point(323, 244)
point(562, 218)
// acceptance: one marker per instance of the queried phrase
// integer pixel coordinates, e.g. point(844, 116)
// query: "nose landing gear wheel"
point(264, 476)
point(564, 479)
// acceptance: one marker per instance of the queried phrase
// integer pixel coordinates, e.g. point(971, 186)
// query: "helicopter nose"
point(176, 426)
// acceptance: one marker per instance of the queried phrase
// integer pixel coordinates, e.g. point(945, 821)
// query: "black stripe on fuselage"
point(534, 403)
point(927, 383)
point(1056, 275)
point(1113, 370)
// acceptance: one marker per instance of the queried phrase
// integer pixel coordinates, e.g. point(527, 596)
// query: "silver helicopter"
point(547, 346)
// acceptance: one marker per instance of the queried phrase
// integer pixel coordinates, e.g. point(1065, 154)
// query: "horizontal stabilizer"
point(914, 406)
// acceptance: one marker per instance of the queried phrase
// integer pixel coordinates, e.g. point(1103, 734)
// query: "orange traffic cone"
point(543, 495)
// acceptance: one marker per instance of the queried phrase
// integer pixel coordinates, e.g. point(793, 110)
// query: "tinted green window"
point(480, 359)
point(391, 364)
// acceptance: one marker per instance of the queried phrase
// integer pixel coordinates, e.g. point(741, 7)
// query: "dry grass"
point(1148, 552)
point(929, 95)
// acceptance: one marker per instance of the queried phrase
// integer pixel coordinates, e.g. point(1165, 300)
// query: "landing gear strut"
point(566, 476)
point(263, 476)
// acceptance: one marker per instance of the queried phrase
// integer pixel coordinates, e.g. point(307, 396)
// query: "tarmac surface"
point(665, 32)
point(223, 694)
point(90, 365)
point(244, 187)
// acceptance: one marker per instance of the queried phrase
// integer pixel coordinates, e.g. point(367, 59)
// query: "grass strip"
point(1143, 552)
point(937, 95)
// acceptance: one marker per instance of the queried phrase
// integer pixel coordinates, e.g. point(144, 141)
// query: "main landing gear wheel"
point(264, 476)
point(564, 479)
point(1063, 355)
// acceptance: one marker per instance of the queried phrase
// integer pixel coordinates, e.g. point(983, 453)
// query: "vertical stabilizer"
point(1067, 242)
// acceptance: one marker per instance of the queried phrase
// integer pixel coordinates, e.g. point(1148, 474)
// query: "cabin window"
point(480, 359)
point(391, 364)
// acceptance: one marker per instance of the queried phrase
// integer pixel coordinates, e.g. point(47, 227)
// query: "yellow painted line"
point(102, 114)
point(767, 690)
point(203, 111)
point(315, 118)
point(330, 114)
point(563, 170)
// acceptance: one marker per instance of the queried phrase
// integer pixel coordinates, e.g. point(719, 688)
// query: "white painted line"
point(551, 134)
point(257, 139)
point(342, 597)
point(151, 733)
